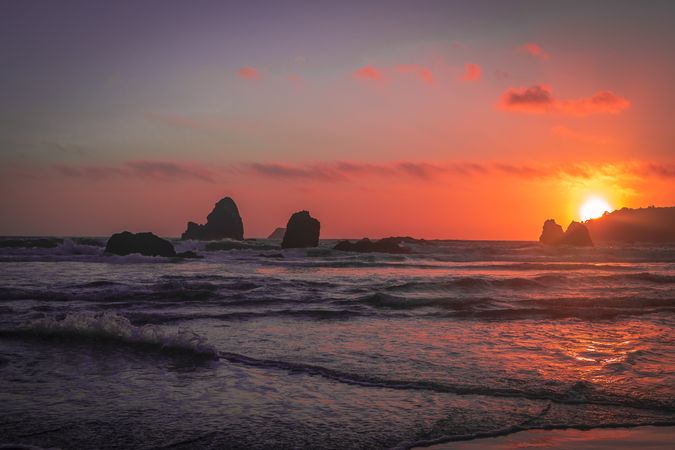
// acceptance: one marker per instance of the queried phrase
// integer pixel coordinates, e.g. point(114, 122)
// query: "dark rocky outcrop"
point(223, 222)
point(277, 234)
point(302, 231)
point(576, 234)
point(386, 245)
point(652, 224)
point(552, 233)
point(147, 244)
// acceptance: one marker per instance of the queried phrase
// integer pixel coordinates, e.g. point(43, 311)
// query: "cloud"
point(539, 99)
point(534, 50)
point(249, 73)
point(472, 72)
point(348, 171)
point(152, 170)
point(425, 171)
point(369, 73)
point(422, 73)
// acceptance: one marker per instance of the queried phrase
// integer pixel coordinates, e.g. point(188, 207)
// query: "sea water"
point(256, 347)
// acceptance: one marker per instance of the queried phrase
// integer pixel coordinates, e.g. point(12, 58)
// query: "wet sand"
point(643, 438)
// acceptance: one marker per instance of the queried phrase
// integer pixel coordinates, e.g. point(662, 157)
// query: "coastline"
point(643, 437)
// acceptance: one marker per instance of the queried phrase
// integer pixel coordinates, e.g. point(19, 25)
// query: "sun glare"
point(594, 207)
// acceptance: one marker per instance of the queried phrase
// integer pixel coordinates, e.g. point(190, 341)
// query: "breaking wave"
point(114, 329)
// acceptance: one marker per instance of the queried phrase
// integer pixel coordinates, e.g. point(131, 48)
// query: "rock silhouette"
point(147, 244)
point(223, 222)
point(652, 224)
point(552, 233)
point(277, 234)
point(302, 231)
point(386, 245)
point(576, 234)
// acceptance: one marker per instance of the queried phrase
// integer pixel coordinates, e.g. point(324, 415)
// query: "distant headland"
point(626, 225)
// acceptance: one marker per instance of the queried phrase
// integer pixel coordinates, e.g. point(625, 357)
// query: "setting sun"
point(594, 207)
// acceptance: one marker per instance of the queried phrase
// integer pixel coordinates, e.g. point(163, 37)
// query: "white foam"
point(116, 327)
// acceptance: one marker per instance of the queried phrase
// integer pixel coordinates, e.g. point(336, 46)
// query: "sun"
point(594, 207)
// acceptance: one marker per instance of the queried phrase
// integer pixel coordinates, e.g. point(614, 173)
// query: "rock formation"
point(277, 234)
point(653, 224)
point(302, 231)
point(387, 245)
point(576, 234)
point(552, 233)
point(147, 244)
point(223, 222)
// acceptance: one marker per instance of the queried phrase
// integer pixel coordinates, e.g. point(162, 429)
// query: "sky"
point(435, 119)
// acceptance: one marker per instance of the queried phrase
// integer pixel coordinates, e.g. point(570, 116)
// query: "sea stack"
point(147, 244)
point(223, 222)
point(552, 233)
point(302, 231)
point(576, 234)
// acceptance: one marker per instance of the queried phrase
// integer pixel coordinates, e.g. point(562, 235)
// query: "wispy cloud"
point(472, 72)
point(346, 171)
point(533, 50)
point(153, 170)
point(539, 99)
point(249, 73)
point(369, 73)
point(422, 73)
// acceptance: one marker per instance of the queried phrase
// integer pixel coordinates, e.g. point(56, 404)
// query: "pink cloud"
point(534, 51)
point(369, 73)
point(539, 99)
point(340, 171)
point(472, 72)
point(249, 73)
point(153, 170)
point(422, 73)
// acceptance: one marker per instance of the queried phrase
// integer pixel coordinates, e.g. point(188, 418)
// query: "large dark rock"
point(302, 231)
point(386, 245)
point(652, 224)
point(552, 233)
point(223, 222)
point(576, 234)
point(147, 244)
point(277, 234)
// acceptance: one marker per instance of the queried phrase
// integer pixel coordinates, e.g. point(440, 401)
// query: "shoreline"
point(645, 437)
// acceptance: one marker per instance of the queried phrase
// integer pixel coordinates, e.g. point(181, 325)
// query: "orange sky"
point(468, 123)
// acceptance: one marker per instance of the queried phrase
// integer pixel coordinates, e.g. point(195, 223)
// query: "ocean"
point(255, 347)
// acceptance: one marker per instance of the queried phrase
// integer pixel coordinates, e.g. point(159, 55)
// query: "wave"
point(477, 283)
point(311, 314)
point(578, 393)
point(114, 329)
